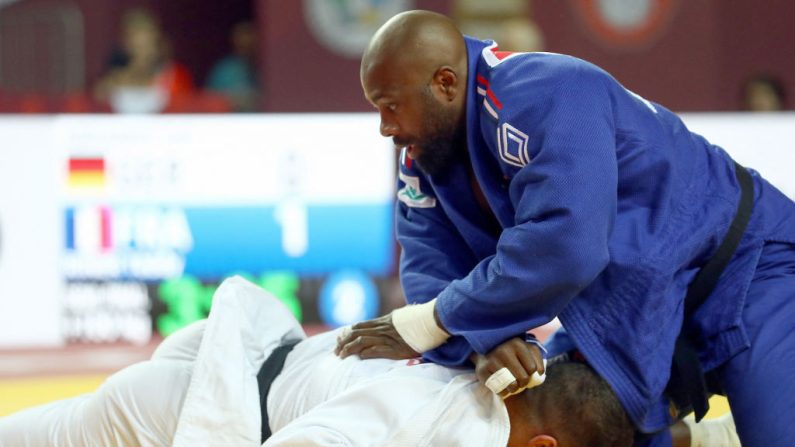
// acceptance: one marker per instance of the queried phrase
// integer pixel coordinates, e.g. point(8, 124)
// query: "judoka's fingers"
point(373, 328)
point(522, 377)
point(342, 338)
point(356, 345)
point(487, 365)
point(515, 355)
point(513, 388)
point(501, 382)
point(378, 346)
point(532, 363)
point(528, 354)
point(373, 323)
point(531, 358)
point(349, 336)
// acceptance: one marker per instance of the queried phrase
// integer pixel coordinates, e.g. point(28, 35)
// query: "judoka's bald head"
point(415, 42)
point(415, 72)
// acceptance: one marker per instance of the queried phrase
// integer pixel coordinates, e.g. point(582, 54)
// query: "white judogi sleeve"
point(199, 389)
point(222, 402)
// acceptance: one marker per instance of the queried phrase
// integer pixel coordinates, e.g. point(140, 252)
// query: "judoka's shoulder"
point(539, 72)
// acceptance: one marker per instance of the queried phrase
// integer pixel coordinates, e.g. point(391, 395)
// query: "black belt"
point(265, 377)
point(687, 387)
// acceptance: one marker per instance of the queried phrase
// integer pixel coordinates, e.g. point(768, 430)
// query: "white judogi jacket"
point(222, 402)
point(317, 400)
point(320, 400)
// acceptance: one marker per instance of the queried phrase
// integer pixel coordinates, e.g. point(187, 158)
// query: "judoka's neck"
point(527, 429)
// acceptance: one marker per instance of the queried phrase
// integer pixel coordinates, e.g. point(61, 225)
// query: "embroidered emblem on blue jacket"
point(411, 195)
point(512, 145)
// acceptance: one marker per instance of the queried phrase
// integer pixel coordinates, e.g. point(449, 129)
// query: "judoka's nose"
point(388, 128)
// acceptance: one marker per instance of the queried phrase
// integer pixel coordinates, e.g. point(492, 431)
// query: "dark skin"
point(378, 338)
point(680, 434)
point(415, 72)
point(374, 339)
point(414, 55)
point(516, 355)
point(525, 424)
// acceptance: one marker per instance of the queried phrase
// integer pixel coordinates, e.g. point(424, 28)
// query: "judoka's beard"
point(444, 139)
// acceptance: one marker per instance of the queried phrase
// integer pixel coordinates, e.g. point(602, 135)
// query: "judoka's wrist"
point(529, 337)
point(419, 326)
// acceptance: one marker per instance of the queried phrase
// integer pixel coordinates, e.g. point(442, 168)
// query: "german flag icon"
point(87, 173)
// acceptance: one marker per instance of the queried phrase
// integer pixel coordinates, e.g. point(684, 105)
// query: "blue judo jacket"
point(607, 207)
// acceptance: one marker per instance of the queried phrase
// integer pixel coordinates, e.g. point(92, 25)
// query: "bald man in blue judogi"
point(568, 195)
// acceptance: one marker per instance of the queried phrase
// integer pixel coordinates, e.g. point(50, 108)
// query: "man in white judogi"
point(200, 389)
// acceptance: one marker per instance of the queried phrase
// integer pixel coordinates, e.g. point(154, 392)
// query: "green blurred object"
point(188, 300)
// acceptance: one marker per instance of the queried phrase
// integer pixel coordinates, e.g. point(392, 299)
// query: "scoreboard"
point(125, 224)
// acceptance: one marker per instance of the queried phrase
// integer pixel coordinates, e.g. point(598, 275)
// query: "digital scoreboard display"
point(154, 211)
point(154, 198)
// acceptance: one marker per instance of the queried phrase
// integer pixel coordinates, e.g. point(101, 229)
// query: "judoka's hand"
point(521, 358)
point(374, 339)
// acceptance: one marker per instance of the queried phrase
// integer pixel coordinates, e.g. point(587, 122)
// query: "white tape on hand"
point(500, 380)
point(535, 380)
point(416, 324)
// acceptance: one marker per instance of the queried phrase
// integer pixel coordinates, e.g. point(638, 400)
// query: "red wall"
point(198, 30)
point(697, 59)
point(755, 36)
point(672, 68)
point(700, 59)
point(299, 74)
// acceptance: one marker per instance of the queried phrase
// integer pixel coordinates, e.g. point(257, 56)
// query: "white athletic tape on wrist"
point(417, 325)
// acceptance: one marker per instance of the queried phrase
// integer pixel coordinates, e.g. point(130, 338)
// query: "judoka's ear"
point(446, 80)
point(542, 441)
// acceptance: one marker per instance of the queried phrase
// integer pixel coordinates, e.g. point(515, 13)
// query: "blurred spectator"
point(764, 93)
point(235, 76)
point(143, 78)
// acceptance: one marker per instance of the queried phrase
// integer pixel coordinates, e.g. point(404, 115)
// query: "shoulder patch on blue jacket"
point(411, 195)
point(512, 145)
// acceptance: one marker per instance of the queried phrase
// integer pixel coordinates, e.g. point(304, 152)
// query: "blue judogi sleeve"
point(433, 254)
point(430, 234)
point(565, 206)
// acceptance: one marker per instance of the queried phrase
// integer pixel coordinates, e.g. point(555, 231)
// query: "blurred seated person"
point(235, 76)
point(143, 78)
point(764, 93)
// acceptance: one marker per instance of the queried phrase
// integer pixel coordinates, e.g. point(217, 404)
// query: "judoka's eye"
point(392, 107)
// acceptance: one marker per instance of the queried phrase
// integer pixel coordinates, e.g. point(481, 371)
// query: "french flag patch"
point(404, 158)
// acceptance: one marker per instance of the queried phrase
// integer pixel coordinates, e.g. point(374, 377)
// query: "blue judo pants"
point(760, 381)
